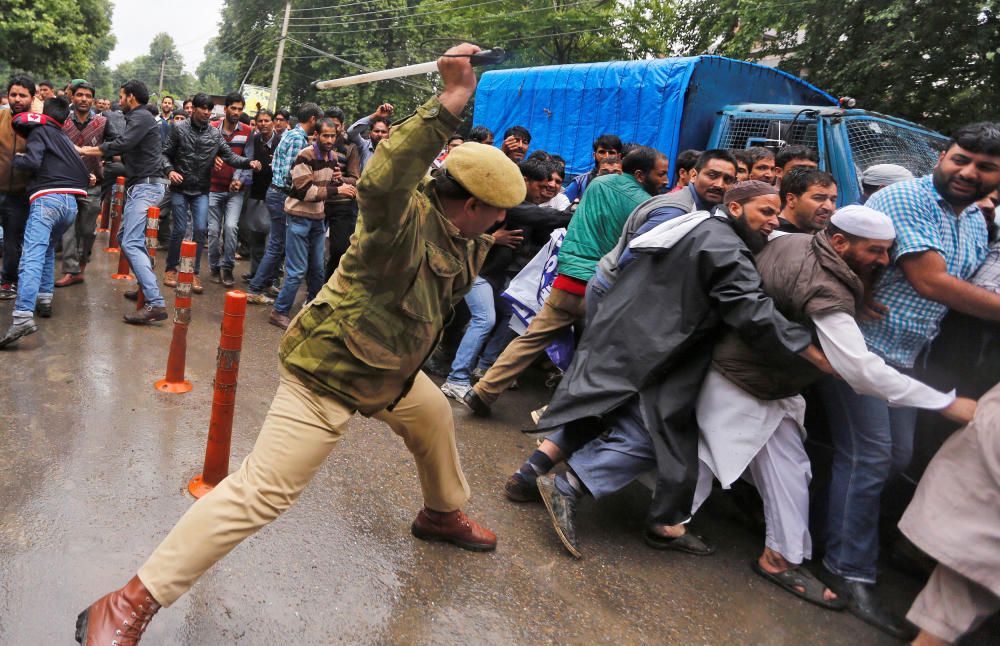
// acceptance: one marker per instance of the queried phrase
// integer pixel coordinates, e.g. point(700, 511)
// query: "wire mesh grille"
point(878, 142)
point(742, 132)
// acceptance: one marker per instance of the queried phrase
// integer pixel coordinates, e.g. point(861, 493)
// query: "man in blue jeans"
point(59, 177)
point(292, 141)
point(529, 220)
point(139, 147)
point(941, 240)
point(316, 178)
point(227, 192)
point(189, 155)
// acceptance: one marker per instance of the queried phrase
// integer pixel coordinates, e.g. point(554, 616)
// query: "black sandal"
point(688, 543)
point(800, 577)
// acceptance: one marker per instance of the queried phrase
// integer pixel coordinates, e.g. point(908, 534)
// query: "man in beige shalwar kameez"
point(955, 518)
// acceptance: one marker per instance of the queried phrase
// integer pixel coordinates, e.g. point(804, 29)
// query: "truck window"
point(873, 141)
point(742, 132)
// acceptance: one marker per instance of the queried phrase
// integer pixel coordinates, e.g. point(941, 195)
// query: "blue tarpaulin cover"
point(566, 107)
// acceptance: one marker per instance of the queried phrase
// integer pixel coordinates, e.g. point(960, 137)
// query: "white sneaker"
point(455, 391)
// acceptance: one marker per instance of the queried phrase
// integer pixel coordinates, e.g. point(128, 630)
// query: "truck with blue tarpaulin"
point(698, 102)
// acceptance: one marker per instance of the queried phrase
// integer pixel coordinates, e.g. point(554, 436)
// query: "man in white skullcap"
point(879, 176)
point(750, 413)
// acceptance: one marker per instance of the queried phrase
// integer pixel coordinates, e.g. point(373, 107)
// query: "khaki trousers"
point(560, 310)
point(950, 605)
point(300, 430)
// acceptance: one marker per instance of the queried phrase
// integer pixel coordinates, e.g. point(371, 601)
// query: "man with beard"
point(378, 129)
point(139, 146)
point(808, 199)
point(13, 200)
point(316, 178)
point(84, 128)
point(638, 390)
point(592, 232)
point(750, 413)
point(941, 239)
point(761, 164)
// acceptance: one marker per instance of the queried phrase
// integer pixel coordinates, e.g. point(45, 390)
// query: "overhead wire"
point(344, 21)
point(357, 66)
point(347, 4)
point(392, 10)
point(435, 24)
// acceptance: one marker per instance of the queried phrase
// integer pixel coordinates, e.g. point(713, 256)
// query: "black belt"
point(148, 180)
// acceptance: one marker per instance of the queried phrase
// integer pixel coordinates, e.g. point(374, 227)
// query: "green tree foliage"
point(218, 73)
point(163, 55)
point(377, 34)
point(55, 38)
point(936, 63)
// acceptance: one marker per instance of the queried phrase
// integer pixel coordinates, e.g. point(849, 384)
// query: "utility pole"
point(281, 54)
point(163, 64)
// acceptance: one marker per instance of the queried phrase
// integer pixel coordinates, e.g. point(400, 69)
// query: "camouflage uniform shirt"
point(364, 337)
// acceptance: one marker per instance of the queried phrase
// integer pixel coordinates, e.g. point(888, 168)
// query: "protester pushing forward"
point(357, 347)
point(59, 177)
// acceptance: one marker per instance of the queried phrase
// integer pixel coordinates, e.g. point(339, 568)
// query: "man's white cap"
point(864, 222)
point(885, 174)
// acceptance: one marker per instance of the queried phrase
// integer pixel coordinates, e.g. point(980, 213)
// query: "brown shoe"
point(147, 314)
point(453, 527)
point(196, 286)
point(279, 319)
point(69, 279)
point(117, 618)
point(170, 278)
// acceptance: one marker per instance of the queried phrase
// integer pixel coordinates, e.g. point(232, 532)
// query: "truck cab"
point(848, 141)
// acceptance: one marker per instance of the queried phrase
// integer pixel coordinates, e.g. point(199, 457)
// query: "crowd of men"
point(712, 306)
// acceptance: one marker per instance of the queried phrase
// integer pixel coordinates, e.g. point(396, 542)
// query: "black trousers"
point(14, 216)
point(340, 221)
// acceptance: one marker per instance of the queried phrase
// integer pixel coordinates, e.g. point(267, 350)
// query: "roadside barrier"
point(117, 209)
point(174, 381)
point(220, 427)
point(152, 232)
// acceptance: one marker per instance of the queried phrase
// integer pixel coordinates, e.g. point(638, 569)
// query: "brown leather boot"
point(117, 618)
point(453, 527)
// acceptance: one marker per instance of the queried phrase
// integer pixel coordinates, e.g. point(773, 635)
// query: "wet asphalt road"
point(93, 471)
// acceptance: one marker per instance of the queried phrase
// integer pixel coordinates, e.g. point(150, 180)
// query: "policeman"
point(358, 346)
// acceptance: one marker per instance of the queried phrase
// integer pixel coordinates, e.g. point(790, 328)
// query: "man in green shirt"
point(357, 347)
point(593, 231)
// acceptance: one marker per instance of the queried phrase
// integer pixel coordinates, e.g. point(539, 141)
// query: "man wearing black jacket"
point(188, 156)
point(59, 177)
point(139, 147)
point(626, 381)
point(527, 221)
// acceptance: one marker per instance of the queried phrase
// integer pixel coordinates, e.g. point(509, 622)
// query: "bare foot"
point(669, 531)
point(774, 563)
point(927, 639)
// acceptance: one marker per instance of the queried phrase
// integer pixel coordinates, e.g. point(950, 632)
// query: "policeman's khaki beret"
point(487, 173)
